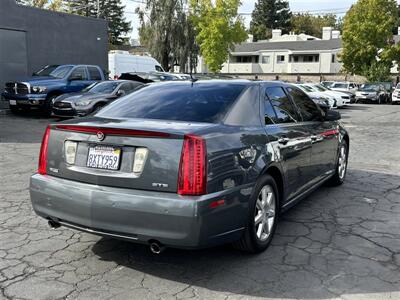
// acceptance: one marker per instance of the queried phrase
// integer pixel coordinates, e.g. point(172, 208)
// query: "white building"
point(286, 54)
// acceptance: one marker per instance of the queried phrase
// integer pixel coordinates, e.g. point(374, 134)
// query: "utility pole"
point(98, 9)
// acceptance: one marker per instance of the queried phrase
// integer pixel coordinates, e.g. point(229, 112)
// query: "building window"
point(333, 58)
point(294, 58)
point(311, 58)
point(265, 59)
point(280, 59)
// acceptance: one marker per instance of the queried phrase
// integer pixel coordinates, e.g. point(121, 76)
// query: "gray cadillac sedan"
point(190, 164)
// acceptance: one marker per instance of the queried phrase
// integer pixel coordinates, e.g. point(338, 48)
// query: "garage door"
point(13, 55)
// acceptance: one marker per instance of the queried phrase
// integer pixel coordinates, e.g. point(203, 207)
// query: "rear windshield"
point(197, 102)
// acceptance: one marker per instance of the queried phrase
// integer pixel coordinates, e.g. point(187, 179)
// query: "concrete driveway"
point(339, 243)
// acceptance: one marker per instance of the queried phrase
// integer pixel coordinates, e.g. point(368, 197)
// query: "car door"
point(78, 79)
point(324, 135)
point(288, 137)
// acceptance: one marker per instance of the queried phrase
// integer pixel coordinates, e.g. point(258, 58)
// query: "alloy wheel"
point(342, 162)
point(264, 215)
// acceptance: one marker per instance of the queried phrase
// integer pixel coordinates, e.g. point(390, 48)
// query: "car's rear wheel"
point(263, 217)
point(341, 165)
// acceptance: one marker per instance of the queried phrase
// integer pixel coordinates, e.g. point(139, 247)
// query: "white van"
point(122, 62)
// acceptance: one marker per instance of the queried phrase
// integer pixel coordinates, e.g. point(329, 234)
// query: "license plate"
point(13, 102)
point(104, 157)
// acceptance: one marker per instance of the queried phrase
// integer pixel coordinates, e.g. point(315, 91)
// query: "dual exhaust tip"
point(155, 246)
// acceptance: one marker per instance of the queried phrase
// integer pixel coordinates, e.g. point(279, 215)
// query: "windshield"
point(197, 102)
point(340, 85)
point(306, 88)
point(369, 87)
point(327, 83)
point(320, 88)
point(45, 71)
point(60, 72)
point(106, 87)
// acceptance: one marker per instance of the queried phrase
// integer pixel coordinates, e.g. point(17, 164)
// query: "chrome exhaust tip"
point(156, 248)
point(53, 224)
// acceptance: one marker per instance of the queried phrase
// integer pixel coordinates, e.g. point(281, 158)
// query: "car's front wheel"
point(263, 217)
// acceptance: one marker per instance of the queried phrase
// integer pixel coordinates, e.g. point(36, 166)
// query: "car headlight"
point(83, 103)
point(39, 89)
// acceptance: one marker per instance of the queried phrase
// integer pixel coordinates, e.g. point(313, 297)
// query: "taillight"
point(43, 152)
point(192, 178)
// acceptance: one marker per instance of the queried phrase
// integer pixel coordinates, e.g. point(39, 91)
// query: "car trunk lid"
point(119, 139)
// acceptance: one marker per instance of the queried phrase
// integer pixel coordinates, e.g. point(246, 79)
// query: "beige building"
point(286, 54)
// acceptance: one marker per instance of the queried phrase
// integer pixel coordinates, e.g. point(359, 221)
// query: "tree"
point(168, 33)
point(110, 10)
point(312, 25)
point(218, 28)
point(45, 4)
point(368, 46)
point(268, 15)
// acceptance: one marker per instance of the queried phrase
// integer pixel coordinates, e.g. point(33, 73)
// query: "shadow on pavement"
point(337, 241)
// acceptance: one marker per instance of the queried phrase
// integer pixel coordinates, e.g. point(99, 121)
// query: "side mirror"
point(120, 93)
point(332, 115)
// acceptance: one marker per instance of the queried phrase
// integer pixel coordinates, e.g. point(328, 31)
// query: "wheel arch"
point(276, 173)
point(53, 93)
point(347, 139)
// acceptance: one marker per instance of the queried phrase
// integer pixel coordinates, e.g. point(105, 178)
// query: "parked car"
point(40, 90)
point(389, 88)
point(327, 84)
point(396, 95)
point(152, 76)
point(318, 97)
point(93, 98)
point(189, 164)
point(182, 76)
point(346, 87)
point(371, 93)
point(123, 62)
point(341, 98)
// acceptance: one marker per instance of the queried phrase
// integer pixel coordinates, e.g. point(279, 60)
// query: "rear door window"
point(94, 73)
point(269, 113)
point(283, 106)
point(197, 102)
point(308, 109)
point(79, 72)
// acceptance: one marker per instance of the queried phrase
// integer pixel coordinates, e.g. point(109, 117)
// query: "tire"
point(341, 165)
point(97, 107)
point(254, 239)
point(47, 109)
point(14, 110)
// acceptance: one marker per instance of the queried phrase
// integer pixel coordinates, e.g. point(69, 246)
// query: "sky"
point(313, 6)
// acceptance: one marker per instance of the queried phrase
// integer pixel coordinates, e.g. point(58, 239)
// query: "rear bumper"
point(141, 216)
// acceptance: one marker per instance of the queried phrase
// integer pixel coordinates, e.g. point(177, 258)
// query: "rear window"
point(197, 102)
point(94, 73)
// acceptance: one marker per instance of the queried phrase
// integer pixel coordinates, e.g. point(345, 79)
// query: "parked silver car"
point(371, 93)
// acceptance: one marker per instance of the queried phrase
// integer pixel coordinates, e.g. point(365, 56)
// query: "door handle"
point(283, 140)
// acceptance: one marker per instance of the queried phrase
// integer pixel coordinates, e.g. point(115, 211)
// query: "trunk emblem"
point(100, 135)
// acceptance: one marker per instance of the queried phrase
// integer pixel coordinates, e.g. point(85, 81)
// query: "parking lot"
point(339, 243)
